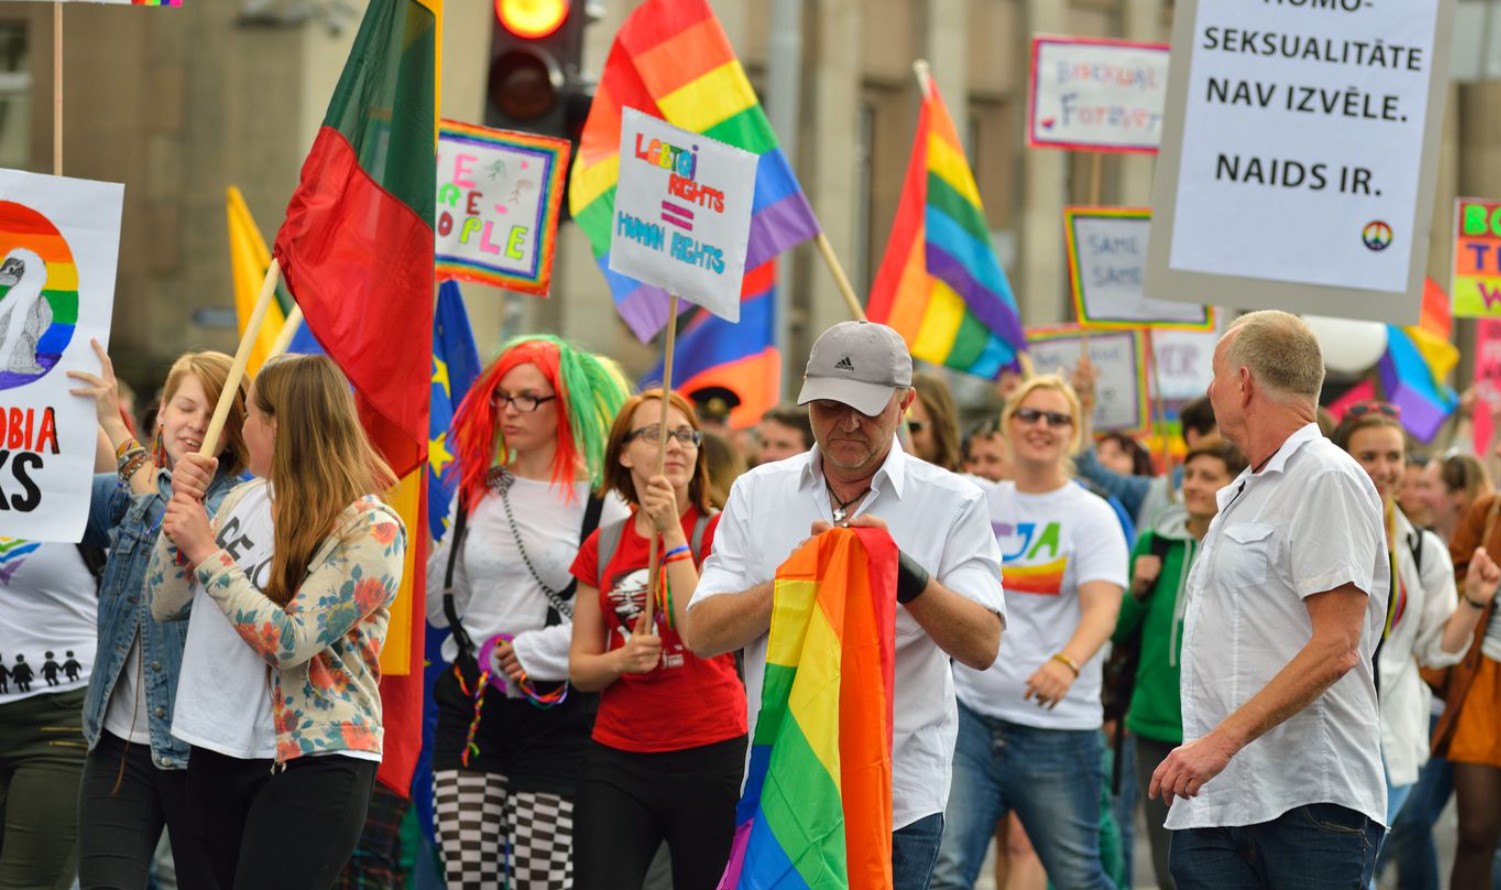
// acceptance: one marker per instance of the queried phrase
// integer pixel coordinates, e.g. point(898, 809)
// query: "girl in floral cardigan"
point(318, 619)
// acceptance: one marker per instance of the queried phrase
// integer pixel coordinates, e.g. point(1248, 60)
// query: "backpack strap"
point(455, 544)
point(696, 541)
point(609, 542)
point(94, 559)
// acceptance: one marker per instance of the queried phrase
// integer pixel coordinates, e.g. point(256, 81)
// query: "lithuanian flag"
point(940, 284)
point(816, 811)
point(356, 251)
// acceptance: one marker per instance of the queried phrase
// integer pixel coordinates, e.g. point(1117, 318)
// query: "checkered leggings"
point(493, 839)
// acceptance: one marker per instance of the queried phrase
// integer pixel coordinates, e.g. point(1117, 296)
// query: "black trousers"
point(118, 827)
point(629, 803)
point(291, 827)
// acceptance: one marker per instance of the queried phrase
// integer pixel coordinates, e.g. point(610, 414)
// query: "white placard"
point(1184, 363)
point(1096, 95)
point(59, 245)
point(1300, 147)
point(1119, 397)
point(1108, 265)
point(682, 212)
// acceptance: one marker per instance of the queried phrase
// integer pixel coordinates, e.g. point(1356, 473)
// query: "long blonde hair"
point(321, 463)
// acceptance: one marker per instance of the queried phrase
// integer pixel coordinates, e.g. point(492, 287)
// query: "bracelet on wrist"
point(1475, 604)
point(131, 463)
point(124, 448)
point(680, 549)
point(676, 557)
point(1067, 662)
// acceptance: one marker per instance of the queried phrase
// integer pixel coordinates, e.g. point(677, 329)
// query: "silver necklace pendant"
point(839, 514)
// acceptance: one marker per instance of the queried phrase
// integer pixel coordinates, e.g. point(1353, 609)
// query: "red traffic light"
point(532, 19)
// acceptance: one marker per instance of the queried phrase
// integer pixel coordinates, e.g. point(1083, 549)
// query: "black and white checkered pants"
point(493, 839)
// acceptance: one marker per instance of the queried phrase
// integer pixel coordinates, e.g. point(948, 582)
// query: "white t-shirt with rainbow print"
point(1050, 544)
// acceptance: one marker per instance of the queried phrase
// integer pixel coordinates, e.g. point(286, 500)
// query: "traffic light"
point(535, 55)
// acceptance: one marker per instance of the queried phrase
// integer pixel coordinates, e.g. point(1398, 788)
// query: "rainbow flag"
point(1418, 360)
point(816, 811)
point(672, 59)
point(940, 284)
point(741, 357)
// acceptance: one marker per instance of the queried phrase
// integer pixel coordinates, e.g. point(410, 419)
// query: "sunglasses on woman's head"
point(1386, 409)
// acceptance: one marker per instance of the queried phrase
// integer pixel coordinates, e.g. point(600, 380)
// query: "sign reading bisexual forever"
point(682, 212)
point(1096, 95)
point(59, 246)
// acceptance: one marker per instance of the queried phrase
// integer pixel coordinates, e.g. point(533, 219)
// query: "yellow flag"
point(248, 261)
point(406, 499)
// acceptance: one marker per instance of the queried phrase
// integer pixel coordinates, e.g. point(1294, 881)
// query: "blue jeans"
point(1320, 845)
point(914, 849)
point(1050, 777)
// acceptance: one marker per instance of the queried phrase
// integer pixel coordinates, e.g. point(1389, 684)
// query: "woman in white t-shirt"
point(1029, 737)
point(511, 737)
point(48, 600)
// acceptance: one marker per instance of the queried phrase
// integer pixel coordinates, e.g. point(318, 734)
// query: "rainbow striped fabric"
point(672, 59)
point(1417, 361)
point(940, 284)
point(816, 811)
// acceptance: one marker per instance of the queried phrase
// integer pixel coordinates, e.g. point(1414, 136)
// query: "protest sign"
point(682, 212)
point(1096, 95)
point(1184, 363)
point(1300, 147)
point(59, 243)
point(1487, 380)
point(1475, 287)
point(1107, 257)
point(1118, 356)
point(499, 197)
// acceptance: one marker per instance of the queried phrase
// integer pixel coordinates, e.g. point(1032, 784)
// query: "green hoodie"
point(1156, 710)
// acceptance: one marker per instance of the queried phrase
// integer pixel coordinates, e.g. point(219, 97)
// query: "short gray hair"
point(1280, 350)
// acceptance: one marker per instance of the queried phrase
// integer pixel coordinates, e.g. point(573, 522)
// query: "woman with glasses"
point(1422, 626)
point(1029, 726)
point(669, 740)
point(529, 440)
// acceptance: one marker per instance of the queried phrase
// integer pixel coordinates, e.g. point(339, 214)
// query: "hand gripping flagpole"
point(242, 359)
point(644, 624)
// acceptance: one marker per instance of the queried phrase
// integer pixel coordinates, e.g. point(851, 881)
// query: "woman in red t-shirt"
point(669, 739)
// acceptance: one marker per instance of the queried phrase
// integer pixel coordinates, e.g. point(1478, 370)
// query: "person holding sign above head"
point(135, 773)
point(316, 615)
point(1279, 780)
point(530, 444)
point(669, 740)
point(858, 385)
point(1029, 725)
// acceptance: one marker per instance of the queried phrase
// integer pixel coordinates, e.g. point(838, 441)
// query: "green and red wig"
point(590, 392)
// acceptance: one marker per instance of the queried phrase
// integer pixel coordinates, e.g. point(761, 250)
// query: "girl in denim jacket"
point(134, 774)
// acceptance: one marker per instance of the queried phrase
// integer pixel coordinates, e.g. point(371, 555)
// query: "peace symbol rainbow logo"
point(1376, 235)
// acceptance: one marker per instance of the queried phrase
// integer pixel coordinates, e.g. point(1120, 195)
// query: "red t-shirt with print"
point(685, 701)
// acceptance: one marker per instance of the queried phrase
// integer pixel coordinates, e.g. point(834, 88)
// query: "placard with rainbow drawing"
point(59, 246)
point(500, 195)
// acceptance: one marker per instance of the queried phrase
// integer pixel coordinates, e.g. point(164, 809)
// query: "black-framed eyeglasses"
point(686, 435)
point(524, 402)
point(1385, 409)
point(1033, 415)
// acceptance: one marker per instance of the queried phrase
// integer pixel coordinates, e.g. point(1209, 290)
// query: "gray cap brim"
point(869, 399)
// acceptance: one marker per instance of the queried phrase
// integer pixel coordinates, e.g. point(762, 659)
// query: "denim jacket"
point(128, 525)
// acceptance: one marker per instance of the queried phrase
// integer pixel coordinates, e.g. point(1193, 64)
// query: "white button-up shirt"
point(936, 517)
point(1309, 522)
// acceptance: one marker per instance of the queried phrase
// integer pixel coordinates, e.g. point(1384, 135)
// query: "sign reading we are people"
point(1096, 95)
point(1300, 148)
point(682, 212)
point(499, 198)
point(59, 245)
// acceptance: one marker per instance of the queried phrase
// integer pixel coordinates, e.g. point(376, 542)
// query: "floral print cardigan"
point(325, 643)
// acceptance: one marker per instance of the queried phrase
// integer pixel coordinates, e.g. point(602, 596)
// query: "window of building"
point(15, 96)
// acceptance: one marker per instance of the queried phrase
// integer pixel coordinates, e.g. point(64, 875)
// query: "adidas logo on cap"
point(844, 364)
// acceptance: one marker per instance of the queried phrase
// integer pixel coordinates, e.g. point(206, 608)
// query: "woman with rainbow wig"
point(530, 444)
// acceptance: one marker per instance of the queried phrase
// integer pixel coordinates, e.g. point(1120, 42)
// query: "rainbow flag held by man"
point(357, 252)
point(940, 284)
point(742, 357)
point(672, 59)
point(816, 810)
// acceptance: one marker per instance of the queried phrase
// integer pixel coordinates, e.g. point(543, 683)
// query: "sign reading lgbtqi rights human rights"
point(1107, 258)
point(1119, 356)
point(1096, 95)
point(59, 245)
point(1300, 148)
point(499, 197)
point(1475, 288)
point(682, 212)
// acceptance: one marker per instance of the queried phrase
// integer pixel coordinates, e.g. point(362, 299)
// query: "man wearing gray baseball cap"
point(857, 386)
